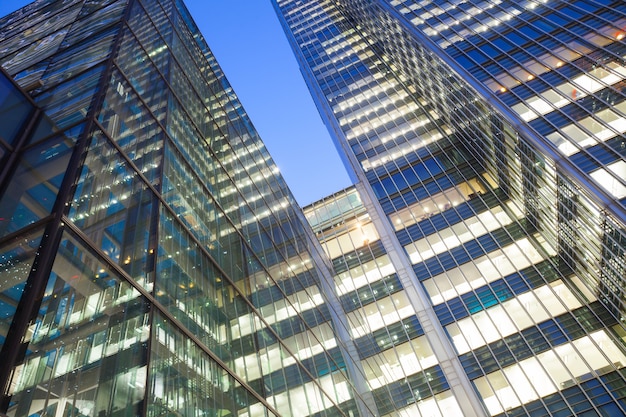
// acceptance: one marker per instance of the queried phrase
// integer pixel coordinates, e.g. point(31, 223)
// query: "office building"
point(153, 261)
point(481, 258)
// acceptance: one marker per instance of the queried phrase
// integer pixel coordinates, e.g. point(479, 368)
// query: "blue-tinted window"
point(407, 177)
point(14, 110)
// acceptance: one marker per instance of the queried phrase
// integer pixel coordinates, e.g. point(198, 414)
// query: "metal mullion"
point(26, 131)
point(515, 29)
point(25, 230)
point(576, 122)
point(573, 36)
point(50, 88)
point(15, 155)
point(60, 132)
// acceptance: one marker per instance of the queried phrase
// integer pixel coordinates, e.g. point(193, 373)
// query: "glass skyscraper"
point(481, 258)
point(153, 261)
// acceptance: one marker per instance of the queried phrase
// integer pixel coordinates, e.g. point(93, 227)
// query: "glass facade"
point(153, 262)
point(480, 259)
point(400, 364)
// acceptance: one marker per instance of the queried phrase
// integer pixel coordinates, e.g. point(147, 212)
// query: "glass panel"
point(148, 83)
point(44, 128)
point(31, 76)
point(132, 54)
point(32, 189)
point(192, 288)
point(13, 107)
point(34, 52)
point(80, 57)
point(69, 102)
point(132, 126)
point(113, 206)
point(185, 381)
point(193, 206)
point(34, 21)
point(610, 177)
point(87, 353)
point(88, 26)
point(91, 6)
point(16, 258)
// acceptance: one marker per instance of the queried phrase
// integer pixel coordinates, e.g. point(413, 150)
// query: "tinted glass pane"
point(69, 102)
point(33, 52)
point(34, 21)
point(77, 59)
point(193, 289)
point(87, 27)
point(32, 190)
point(14, 109)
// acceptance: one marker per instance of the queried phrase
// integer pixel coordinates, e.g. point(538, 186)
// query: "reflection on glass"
point(16, 258)
point(87, 352)
point(69, 102)
point(178, 362)
point(35, 183)
point(113, 207)
point(14, 107)
point(131, 125)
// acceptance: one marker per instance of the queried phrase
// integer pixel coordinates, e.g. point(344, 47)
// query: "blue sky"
point(250, 46)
